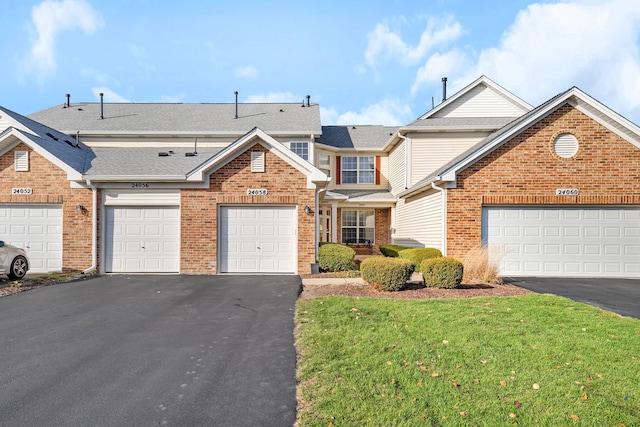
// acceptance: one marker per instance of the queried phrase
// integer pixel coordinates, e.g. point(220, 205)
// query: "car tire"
point(18, 268)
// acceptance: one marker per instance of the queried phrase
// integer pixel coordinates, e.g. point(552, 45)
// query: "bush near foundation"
point(335, 257)
point(390, 274)
point(443, 272)
point(417, 255)
point(392, 250)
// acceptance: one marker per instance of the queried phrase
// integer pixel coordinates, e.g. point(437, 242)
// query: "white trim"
point(141, 198)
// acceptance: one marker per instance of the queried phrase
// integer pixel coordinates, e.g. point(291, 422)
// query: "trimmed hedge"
point(417, 255)
point(335, 257)
point(392, 250)
point(391, 274)
point(442, 272)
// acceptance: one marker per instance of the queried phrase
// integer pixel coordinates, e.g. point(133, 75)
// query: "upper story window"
point(301, 148)
point(324, 163)
point(358, 170)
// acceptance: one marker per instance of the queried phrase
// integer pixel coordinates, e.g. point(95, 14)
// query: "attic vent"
point(21, 161)
point(565, 145)
point(51, 136)
point(257, 161)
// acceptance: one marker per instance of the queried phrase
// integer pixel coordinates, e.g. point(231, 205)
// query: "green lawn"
point(529, 360)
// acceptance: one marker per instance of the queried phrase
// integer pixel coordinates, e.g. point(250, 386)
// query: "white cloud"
point(384, 43)
point(389, 112)
point(137, 51)
point(49, 19)
point(109, 95)
point(249, 72)
point(551, 47)
point(275, 97)
point(438, 66)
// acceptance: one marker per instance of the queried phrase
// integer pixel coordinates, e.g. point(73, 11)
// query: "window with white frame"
point(324, 163)
point(301, 148)
point(358, 170)
point(358, 226)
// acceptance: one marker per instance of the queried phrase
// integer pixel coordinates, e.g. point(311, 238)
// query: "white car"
point(13, 261)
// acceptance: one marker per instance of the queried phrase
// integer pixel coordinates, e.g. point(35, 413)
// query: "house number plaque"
point(567, 192)
point(21, 191)
point(256, 191)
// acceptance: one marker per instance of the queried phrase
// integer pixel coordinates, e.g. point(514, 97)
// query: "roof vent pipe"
point(236, 93)
point(68, 104)
point(444, 89)
point(101, 106)
point(308, 98)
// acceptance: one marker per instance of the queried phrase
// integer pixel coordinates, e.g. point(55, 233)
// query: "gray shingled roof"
point(366, 137)
point(462, 123)
point(58, 144)
point(435, 175)
point(141, 162)
point(362, 196)
point(279, 119)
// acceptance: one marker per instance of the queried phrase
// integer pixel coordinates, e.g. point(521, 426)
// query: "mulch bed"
point(414, 291)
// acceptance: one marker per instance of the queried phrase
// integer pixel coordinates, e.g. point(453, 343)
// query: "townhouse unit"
point(254, 188)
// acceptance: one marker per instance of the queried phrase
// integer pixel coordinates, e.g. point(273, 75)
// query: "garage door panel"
point(142, 239)
point(38, 230)
point(573, 241)
point(257, 239)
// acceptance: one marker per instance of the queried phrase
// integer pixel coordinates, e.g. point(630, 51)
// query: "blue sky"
point(373, 62)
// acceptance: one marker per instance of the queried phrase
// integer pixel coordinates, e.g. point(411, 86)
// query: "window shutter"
point(377, 170)
point(338, 166)
point(257, 161)
point(21, 159)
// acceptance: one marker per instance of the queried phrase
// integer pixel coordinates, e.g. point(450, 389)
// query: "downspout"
point(94, 230)
point(444, 216)
point(317, 222)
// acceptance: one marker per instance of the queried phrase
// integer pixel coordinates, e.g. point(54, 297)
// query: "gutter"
point(444, 216)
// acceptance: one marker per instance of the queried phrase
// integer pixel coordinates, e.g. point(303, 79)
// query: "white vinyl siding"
point(429, 152)
point(418, 221)
point(4, 124)
point(397, 169)
point(594, 241)
point(481, 101)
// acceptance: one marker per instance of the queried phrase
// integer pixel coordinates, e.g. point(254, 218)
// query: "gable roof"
point(482, 81)
point(314, 175)
point(57, 147)
point(182, 119)
point(573, 96)
point(367, 137)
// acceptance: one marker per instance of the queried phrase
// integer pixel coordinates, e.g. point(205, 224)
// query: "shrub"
point(390, 274)
point(478, 267)
point(442, 272)
point(417, 255)
point(391, 250)
point(335, 257)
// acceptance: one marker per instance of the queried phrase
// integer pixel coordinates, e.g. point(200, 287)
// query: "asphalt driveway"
point(621, 296)
point(149, 351)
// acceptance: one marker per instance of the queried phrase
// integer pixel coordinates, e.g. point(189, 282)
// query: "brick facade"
point(526, 170)
point(228, 185)
point(50, 186)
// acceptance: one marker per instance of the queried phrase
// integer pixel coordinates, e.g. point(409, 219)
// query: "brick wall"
point(526, 170)
point(285, 185)
point(49, 184)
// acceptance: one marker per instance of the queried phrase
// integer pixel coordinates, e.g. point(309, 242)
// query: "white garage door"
point(258, 239)
point(564, 241)
point(142, 239)
point(37, 229)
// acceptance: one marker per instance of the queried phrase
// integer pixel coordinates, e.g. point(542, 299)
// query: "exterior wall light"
point(79, 209)
point(307, 210)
